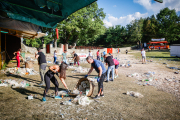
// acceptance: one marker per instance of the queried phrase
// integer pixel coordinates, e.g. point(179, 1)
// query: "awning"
point(45, 13)
point(19, 28)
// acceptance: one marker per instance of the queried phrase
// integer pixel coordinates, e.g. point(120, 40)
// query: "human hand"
point(98, 79)
point(85, 76)
point(57, 73)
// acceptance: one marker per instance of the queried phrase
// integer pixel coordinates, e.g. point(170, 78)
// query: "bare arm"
point(90, 70)
point(100, 71)
point(54, 68)
point(14, 53)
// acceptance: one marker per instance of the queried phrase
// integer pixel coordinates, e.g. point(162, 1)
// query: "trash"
point(84, 100)
point(63, 92)
point(176, 72)
point(30, 97)
point(67, 103)
point(3, 84)
point(134, 94)
point(20, 71)
point(75, 91)
point(80, 70)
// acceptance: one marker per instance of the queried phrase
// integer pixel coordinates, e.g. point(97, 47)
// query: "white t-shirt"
point(55, 54)
point(143, 53)
point(90, 54)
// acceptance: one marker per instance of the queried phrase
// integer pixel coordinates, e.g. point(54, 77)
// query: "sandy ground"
point(157, 103)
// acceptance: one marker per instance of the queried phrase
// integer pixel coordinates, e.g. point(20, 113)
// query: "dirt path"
point(155, 104)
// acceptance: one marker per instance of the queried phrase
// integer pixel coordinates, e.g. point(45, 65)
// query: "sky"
point(122, 12)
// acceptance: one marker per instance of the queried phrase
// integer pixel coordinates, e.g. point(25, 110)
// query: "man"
point(143, 54)
point(98, 55)
point(111, 66)
point(64, 54)
point(101, 70)
point(42, 64)
point(104, 53)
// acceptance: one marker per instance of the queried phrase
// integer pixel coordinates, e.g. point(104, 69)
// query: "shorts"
point(143, 57)
point(116, 66)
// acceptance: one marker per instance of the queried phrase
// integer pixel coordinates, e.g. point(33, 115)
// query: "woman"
point(76, 58)
point(17, 53)
point(49, 76)
point(55, 56)
point(116, 67)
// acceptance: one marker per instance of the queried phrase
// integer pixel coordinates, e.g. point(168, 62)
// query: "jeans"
point(64, 60)
point(110, 68)
point(100, 83)
point(55, 58)
point(98, 58)
point(42, 70)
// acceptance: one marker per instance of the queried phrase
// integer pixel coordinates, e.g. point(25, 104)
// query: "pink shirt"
point(115, 62)
point(97, 53)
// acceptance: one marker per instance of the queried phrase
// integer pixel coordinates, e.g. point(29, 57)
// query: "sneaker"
point(111, 80)
point(44, 99)
point(102, 95)
point(57, 97)
point(96, 97)
point(106, 81)
point(41, 84)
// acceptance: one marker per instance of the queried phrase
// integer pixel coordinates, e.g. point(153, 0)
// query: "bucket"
point(90, 87)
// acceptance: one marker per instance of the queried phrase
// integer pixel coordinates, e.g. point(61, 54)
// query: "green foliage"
point(83, 26)
point(33, 42)
point(113, 36)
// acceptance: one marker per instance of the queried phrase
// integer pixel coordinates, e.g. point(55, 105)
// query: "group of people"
point(48, 76)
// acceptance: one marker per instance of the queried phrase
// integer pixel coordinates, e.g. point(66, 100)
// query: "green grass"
point(162, 56)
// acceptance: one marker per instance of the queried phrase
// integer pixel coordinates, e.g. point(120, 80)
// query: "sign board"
point(82, 55)
point(160, 39)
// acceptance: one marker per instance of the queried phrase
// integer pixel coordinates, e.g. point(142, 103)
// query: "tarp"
point(18, 25)
point(160, 39)
point(45, 13)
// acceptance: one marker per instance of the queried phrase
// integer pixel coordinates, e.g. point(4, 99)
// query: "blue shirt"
point(104, 53)
point(96, 64)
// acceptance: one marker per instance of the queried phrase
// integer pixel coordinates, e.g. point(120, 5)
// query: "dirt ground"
point(157, 103)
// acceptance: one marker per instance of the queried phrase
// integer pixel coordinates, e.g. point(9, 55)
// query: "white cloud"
point(156, 7)
point(123, 21)
point(114, 6)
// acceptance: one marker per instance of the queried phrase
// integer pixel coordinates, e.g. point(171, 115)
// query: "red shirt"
point(97, 53)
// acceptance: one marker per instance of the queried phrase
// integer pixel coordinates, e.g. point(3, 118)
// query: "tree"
point(83, 26)
point(135, 31)
point(168, 22)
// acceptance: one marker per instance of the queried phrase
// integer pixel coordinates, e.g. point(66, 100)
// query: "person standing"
point(76, 58)
point(49, 76)
point(104, 53)
point(101, 70)
point(102, 57)
point(98, 55)
point(143, 54)
point(116, 63)
point(126, 52)
point(90, 54)
point(42, 64)
point(17, 53)
point(55, 56)
point(111, 66)
point(64, 54)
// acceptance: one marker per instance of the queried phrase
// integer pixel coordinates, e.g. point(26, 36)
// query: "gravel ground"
point(116, 105)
